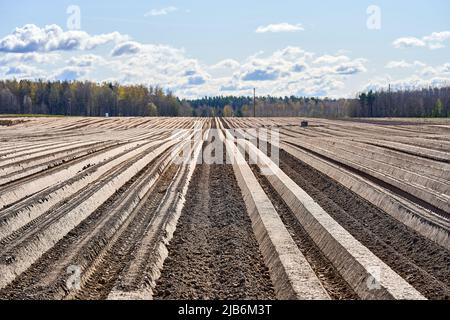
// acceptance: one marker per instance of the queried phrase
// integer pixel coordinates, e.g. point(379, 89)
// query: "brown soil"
point(73, 250)
point(214, 254)
point(423, 263)
point(330, 278)
point(9, 123)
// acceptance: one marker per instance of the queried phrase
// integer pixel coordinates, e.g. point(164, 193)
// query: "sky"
point(204, 48)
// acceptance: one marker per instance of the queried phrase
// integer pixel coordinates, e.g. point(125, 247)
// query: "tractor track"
point(82, 245)
point(330, 278)
point(214, 253)
point(43, 221)
point(420, 261)
point(94, 209)
point(114, 257)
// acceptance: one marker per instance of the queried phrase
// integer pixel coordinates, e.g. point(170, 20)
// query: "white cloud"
point(129, 47)
point(292, 71)
point(419, 64)
point(397, 64)
point(410, 83)
point(408, 42)
point(161, 12)
point(350, 68)
point(162, 65)
point(435, 46)
point(329, 59)
point(284, 72)
point(233, 86)
point(299, 67)
point(69, 74)
point(428, 71)
point(288, 71)
point(402, 64)
point(446, 67)
point(437, 36)
point(261, 75)
point(292, 54)
point(280, 27)
point(226, 64)
point(23, 71)
point(442, 70)
point(31, 38)
point(88, 60)
point(432, 41)
point(196, 80)
point(30, 57)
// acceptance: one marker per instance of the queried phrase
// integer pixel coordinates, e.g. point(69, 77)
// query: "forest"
point(112, 99)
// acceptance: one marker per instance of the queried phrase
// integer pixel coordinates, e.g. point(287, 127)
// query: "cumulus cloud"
point(69, 74)
point(260, 75)
point(329, 59)
point(414, 82)
point(277, 65)
point(280, 27)
point(432, 41)
point(129, 47)
point(446, 67)
point(298, 67)
point(402, 64)
point(189, 73)
point(442, 70)
point(161, 12)
point(421, 69)
point(31, 57)
point(428, 71)
point(233, 86)
point(292, 71)
point(437, 36)
point(408, 42)
point(23, 71)
point(283, 72)
point(226, 64)
point(349, 68)
point(87, 60)
point(161, 65)
point(196, 80)
point(31, 38)
point(397, 64)
point(288, 71)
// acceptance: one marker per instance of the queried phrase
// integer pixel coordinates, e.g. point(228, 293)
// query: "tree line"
point(431, 102)
point(86, 98)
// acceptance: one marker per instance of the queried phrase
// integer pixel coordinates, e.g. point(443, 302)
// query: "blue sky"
point(196, 48)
